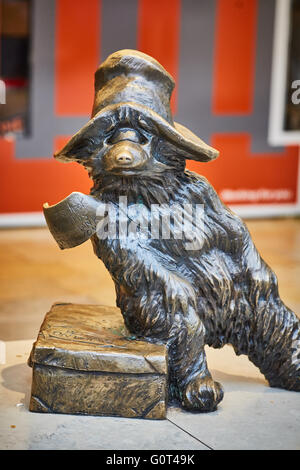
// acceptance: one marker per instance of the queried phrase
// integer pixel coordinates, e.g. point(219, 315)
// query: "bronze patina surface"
point(208, 286)
point(84, 363)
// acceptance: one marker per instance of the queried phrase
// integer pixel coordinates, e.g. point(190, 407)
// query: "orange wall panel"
point(158, 34)
point(76, 55)
point(238, 168)
point(28, 183)
point(235, 41)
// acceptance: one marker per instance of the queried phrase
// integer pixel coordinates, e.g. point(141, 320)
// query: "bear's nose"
point(124, 158)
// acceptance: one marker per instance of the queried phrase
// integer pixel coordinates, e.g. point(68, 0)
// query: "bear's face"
point(128, 150)
point(134, 161)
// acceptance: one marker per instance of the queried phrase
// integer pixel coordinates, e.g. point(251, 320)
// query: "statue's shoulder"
point(196, 178)
point(199, 186)
point(202, 192)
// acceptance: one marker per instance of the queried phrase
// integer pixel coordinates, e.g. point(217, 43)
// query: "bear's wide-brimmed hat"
point(132, 86)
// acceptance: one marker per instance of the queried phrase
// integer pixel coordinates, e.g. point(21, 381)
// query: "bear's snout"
point(125, 157)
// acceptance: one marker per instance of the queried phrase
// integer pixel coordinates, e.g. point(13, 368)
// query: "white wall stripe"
point(36, 219)
point(25, 219)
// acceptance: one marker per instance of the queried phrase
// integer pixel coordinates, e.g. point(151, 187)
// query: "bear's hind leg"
point(190, 380)
point(280, 350)
point(265, 329)
point(272, 341)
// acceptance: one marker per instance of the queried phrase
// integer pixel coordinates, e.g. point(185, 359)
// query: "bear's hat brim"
point(84, 143)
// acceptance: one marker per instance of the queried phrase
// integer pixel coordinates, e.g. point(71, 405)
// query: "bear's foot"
point(202, 394)
point(291, 383)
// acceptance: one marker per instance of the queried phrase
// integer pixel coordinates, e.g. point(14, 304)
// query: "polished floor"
point(35, 273)
point(251, 415)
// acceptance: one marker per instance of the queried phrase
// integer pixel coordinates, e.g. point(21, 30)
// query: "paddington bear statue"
point(203, 284)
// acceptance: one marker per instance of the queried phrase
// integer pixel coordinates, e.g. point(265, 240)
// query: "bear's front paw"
point(202, 394)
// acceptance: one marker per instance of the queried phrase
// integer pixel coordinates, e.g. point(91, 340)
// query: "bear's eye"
point(109, 126)
point(125, 134)
point(145, 125)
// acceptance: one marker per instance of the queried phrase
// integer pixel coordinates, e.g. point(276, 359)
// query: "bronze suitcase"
point(83, 363)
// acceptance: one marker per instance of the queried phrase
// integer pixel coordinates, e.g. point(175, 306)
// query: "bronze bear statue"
point(170, 289)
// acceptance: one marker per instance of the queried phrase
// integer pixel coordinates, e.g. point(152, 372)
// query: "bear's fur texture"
point(222, 293)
